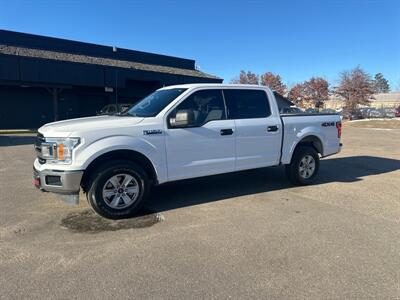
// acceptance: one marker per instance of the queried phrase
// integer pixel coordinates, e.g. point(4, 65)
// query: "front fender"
point(153, 150)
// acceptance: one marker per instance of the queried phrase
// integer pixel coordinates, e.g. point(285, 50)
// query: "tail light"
point(339, 129)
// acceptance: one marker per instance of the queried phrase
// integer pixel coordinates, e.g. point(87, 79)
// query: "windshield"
point(154, 103)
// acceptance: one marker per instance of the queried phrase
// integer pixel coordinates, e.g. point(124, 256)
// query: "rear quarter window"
point(247, 104)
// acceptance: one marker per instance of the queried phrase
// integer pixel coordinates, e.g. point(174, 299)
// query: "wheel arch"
point(124, 154)
point(311, 141)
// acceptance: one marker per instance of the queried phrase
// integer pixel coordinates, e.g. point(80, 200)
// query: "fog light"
point(53, 180)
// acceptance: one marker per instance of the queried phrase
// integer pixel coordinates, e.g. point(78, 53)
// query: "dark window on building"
point(207, 105)
point(247, 104)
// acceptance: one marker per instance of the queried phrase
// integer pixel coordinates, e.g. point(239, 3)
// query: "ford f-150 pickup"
point(175, 133)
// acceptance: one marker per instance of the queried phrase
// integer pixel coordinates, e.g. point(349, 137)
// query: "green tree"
point(381, 84)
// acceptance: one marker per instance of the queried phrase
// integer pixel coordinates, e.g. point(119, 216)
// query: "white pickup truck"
point(175, 133)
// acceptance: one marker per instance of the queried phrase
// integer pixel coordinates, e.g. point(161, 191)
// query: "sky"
point(295, 39)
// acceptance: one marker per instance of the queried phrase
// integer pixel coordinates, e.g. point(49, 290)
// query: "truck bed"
point(322, 128)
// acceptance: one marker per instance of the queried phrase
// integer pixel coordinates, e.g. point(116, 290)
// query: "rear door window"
point(247, 104)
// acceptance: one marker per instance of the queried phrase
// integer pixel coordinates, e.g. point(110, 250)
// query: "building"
point(383, 100)
point(386, 100)
point(43, 79)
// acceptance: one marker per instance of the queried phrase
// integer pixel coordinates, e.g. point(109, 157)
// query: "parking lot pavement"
point(243, 235)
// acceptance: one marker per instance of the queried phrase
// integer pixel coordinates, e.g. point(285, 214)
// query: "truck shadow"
point(215, 188)
point(16, 140)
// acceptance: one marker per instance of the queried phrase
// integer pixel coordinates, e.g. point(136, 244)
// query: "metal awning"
point(79, 58)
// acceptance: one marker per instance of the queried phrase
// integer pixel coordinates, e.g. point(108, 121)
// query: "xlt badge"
point(153, 131)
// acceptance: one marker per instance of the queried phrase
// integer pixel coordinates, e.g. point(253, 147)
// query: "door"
point(258, 131)
point(206, 146)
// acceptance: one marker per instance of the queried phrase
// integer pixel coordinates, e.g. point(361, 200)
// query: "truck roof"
point(219, 85)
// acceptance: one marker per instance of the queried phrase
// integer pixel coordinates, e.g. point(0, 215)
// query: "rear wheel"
point(304, 166)
point(118, 189)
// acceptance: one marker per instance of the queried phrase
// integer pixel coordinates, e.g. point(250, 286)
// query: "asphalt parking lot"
point(243, 235)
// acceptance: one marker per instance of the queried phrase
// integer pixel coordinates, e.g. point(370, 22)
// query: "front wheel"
point(304, 166)
point(118, 189)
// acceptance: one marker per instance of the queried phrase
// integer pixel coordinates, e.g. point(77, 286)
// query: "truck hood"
point(76, 126)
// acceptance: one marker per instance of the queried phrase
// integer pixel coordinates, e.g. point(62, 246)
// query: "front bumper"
point(57, 181)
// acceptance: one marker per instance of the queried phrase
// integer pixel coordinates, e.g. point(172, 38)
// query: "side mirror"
point(183, 118)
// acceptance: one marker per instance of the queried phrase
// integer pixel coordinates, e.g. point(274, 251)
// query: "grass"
point(374, 123)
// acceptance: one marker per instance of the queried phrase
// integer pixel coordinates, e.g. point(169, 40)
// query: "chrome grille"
point(38, 143)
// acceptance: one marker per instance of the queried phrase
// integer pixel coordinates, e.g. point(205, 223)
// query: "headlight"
point(58, 150)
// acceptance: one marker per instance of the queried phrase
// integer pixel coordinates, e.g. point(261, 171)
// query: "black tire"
point(293, 169)
point(102, 175)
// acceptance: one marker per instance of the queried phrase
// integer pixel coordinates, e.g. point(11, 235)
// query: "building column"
point(55, 92)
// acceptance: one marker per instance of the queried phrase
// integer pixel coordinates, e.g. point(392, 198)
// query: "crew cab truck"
point(175, 133)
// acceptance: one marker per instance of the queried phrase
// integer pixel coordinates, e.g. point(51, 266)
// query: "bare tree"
point(316, 91)
point(355, 87)
point(311, 93)
point(274, 82)
point(297, 94)
point(246, 78)
point(252, 78)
